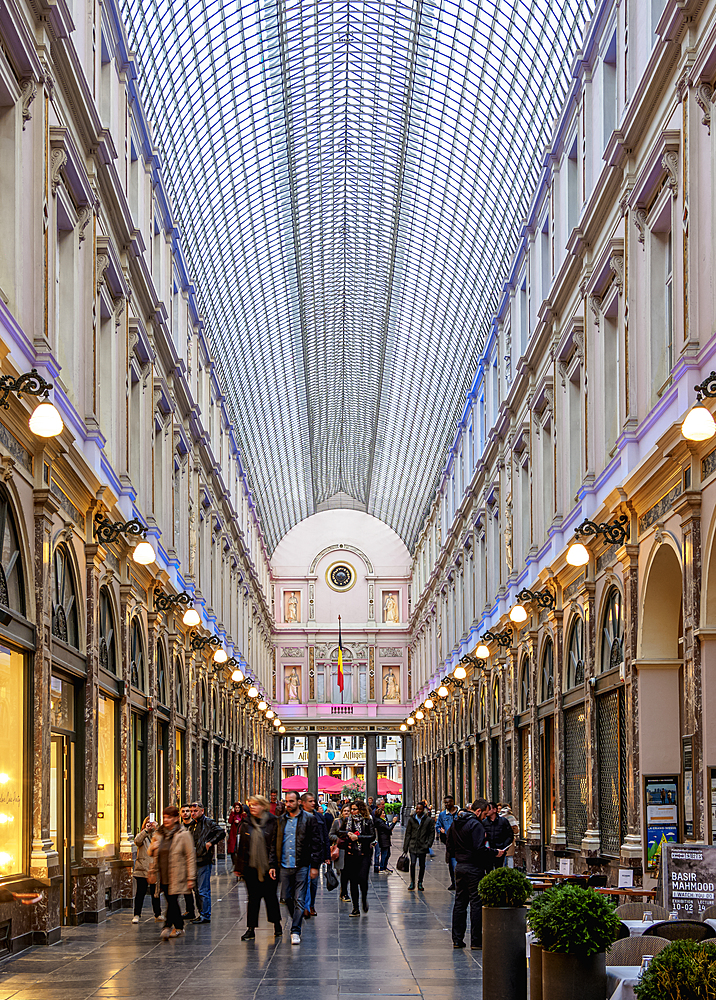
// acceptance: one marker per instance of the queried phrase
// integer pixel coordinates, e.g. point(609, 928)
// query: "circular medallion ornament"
point(340, 576)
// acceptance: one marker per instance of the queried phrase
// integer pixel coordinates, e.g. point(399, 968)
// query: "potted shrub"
point(534, 917)
point(504, 893)
point(576, 926)
point(685, 970)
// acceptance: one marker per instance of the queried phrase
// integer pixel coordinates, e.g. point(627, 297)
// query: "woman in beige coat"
point(173, 867)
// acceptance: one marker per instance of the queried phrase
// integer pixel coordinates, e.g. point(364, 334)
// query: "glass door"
point(62, 767)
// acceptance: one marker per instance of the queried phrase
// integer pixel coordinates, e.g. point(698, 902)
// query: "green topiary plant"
point(505, 887)
point(576, 921)
point(685, 970)
point(538, 907)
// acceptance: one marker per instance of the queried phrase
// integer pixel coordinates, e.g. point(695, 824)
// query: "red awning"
point(327, 783)
point(296, 783)
point(388, 787)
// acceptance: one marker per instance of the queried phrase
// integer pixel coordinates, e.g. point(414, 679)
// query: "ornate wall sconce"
point(167, 602)
point(503, 639)
point(613, 532)
point(197, 642)
point(543, 598)
point(45, 420)
point(109, 531)
point(699, 425)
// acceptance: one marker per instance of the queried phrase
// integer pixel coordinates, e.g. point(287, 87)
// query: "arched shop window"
point(483, 709)
point(178, 687)
point(136, 652)
point(12, 582)
point(107, 633)
point(575, 655)
point(495, 701)
point(547, 679)
point(162, 691)
point(204, 715)
point(65, 625)
point(525, 685)
point(612, 632)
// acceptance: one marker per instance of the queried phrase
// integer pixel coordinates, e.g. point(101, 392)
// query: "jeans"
point(173, 917)
point(142, 888)
point(311, 889)
point(203, 889)
point(293, 890)
point(382, 855)
point(376, 855)
point(420, 858)
point(467, 879)
point(452, 865)
point(256, 891)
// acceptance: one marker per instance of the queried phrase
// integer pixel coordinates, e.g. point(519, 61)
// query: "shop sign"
point(661, 796)
point(689, 878)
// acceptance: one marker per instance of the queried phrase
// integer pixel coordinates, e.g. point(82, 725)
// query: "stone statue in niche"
point(391, 612)
point(391, 687)
point(292, 608)
point(292, 685)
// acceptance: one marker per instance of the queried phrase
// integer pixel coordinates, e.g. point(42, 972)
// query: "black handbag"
point(331, 879)
point(403, 864)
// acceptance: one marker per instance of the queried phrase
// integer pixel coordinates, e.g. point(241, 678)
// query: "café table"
point(621, 980)
point(635, 893)
point(637, 927)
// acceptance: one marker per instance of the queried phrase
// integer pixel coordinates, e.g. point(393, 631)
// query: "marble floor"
point(401, 948)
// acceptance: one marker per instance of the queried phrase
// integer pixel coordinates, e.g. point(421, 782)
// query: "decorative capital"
point(670, 163)
point(28, 91)
point(58, 158)
point(616, 263)
point(704, 95)
point(640, 216)
point(102, 265)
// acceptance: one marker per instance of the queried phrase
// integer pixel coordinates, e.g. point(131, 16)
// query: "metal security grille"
point(526, 779)
point(575, 766)
point(611, 736)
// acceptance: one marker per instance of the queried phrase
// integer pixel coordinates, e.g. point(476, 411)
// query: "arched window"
point(495, 702)
point(547, 679)
point(178, 687)
point(524, 691)
point(483, 707)
point(12, 583)
point(65, 625)
point(204, 706)
point(612, 632)
point(162, 691)
point(136, 653)
point(575, 655)
point(107, 633)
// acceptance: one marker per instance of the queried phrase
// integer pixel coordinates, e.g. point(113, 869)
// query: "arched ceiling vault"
point(349, 178)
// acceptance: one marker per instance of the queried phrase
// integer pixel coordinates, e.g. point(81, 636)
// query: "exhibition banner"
point(688, 878)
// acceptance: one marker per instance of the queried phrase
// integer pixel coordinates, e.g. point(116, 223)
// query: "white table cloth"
point(621, 980)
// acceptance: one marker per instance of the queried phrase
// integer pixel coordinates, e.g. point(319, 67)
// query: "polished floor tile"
point(401, 948)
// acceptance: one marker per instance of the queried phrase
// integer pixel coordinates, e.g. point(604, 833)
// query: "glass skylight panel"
point(349, 180)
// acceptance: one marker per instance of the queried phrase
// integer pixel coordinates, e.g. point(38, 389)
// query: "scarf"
point(258, 854)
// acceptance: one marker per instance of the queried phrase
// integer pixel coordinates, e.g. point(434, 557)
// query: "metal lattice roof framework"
point(349, 178)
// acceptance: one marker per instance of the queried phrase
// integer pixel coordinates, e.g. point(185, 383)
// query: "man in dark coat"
point(299, 853)
point(308, 803)
point(467, 843)
point(206, 834)
point(419, 837)
point(499, 831)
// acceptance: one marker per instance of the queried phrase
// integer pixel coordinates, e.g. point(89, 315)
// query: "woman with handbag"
point(173, 867)
point(339, 858)
point(255, 857)
point(356, 837)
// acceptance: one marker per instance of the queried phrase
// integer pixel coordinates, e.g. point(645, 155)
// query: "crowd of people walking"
point(281, 845)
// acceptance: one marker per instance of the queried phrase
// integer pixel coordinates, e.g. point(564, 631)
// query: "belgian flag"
point(340, 658)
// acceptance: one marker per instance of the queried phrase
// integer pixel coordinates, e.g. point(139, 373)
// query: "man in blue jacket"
point(467, 843)
point(442, 828)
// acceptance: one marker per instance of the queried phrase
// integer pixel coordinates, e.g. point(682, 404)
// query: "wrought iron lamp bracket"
point(503, 639)
point(613, 532)
point(167, 602)
point(30, 383)
point(544, 598)
point(109, 531)
point(706, 388)
point(197, 642)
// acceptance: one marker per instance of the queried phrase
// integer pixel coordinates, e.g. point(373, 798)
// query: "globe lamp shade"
point(237, 676)
point(253, 692)
point(419, 714)
point(191, 617)
point(482, 651)
point(459, 673)
point(282, 729)
point(220, 656)
point(698, 426)
point(443, 691)
point(262, 706)
point(577, 554)
point(410, 720)
point(270, 714)
point(144, 554)
point(46, 421)
point(518, 614)
point(429, 703)
point(403, 727)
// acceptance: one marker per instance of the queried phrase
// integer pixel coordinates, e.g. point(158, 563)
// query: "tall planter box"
point(504, 953)
point(536, 971)
point(573, 977)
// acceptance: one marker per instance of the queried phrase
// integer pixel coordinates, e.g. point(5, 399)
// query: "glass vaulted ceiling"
point(349, 179)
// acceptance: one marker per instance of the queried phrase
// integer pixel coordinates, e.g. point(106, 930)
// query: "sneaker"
point(201, 920)
point(421, 887)
point(135, 920)
point(176, 932)
point(188, 916)
point(157, 919)
point(345, 899)
point(476, 947)
point(166, 931)
point(355, 912)
point(411, 887)
point(295, 938)
point(458, 944)
point(249, 935)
